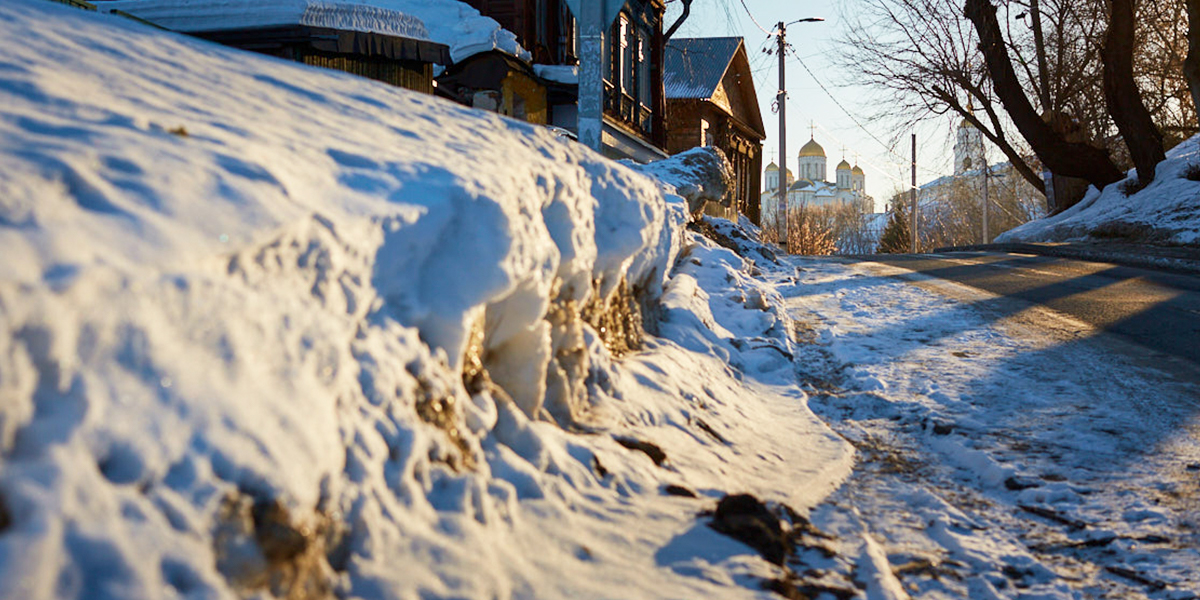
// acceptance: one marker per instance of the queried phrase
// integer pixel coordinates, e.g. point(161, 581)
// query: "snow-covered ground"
point(1165, 211)
point(1007, 451)
point(270, 329)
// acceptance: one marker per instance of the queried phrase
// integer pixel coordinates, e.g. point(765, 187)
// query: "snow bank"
point(701, 175)
point(1166, 211)
point(267, 328)
point(449, 22)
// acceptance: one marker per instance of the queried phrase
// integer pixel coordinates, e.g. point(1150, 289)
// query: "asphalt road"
point(1154, 309)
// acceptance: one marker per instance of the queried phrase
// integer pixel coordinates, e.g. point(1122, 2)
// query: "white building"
point(942, 201)
point(811, 189)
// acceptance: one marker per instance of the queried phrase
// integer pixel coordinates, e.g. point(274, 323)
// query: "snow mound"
point(450, 22)
point(268, 329)
point(1165, 211)
point(701, 175)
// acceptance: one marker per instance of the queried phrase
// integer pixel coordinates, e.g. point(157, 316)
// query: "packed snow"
point(450, 22)
point(268, 329)
point(1165, 211)
point(1008, 451)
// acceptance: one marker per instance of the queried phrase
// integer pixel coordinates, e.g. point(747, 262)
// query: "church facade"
point(810, 189)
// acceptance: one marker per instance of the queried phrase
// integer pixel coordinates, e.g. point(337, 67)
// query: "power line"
point(889, 149)
point(756, 24)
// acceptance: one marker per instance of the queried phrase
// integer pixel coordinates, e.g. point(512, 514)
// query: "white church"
point(811, 189)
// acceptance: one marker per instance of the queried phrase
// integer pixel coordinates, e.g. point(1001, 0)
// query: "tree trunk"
point(1039, 44)
point(1141, 135)
point(1072, 159)
point(1191, 65)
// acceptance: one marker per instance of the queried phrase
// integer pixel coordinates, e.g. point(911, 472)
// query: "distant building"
point(810, 189)
point(951, 206)
point(711, 102)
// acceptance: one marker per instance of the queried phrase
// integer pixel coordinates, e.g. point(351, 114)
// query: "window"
point(627, 46)
point(643, 68)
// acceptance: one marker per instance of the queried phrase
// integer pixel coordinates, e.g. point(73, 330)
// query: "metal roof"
point(693, 67)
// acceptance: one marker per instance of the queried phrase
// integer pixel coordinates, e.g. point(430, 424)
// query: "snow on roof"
point(558, 73)
point(693, 67)
point(450, 22)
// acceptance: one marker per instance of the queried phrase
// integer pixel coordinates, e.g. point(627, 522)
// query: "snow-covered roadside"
point(272, 328)
point(1167, 211)
point(1000, 459)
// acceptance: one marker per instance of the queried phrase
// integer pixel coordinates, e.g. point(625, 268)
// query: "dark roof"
point(693, 67)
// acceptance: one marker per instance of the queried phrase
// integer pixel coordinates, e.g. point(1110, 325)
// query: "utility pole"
point(781, 102)
point(913, 195)
point(985, 190)
point(591, 80)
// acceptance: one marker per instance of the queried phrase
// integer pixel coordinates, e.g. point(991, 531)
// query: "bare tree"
point(925, 60)
point(807, 234)
point(1191, 66)
point(1137, 127)
point(1061, 156)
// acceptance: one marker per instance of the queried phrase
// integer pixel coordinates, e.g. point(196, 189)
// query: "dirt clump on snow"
point(783, 537)
point(438, 407)
point(728, 235)
point(746, 519)
point(700, 175)
point(618, 319)
point(261, 545)
point(5, 518)
point(650, 449)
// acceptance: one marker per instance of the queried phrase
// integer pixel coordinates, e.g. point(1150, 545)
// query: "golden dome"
point(812, 148)
point(843, 166)
point(857, 170)
point(772, 167)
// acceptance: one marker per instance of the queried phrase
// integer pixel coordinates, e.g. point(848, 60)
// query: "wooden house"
point(499, 82)
point(711, 101)
point(634, 105)
point(399, 52)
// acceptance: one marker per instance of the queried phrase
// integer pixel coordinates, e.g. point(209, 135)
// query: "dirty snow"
point(237, 301)
point(1007, 451)
point(450, 22)
point(1165, 211)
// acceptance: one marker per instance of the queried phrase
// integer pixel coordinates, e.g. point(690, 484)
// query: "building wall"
point(742, 147)
point(524, 98)
point(406, 74)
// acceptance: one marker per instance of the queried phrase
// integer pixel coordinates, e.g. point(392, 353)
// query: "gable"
point(737, 87)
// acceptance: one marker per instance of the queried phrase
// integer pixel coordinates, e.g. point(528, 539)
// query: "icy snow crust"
point(448, 22)
point(235, 298)
point(1167, 210)
point(978, 416)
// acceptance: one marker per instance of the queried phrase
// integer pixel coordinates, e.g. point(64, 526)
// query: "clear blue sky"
point(814, 43)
